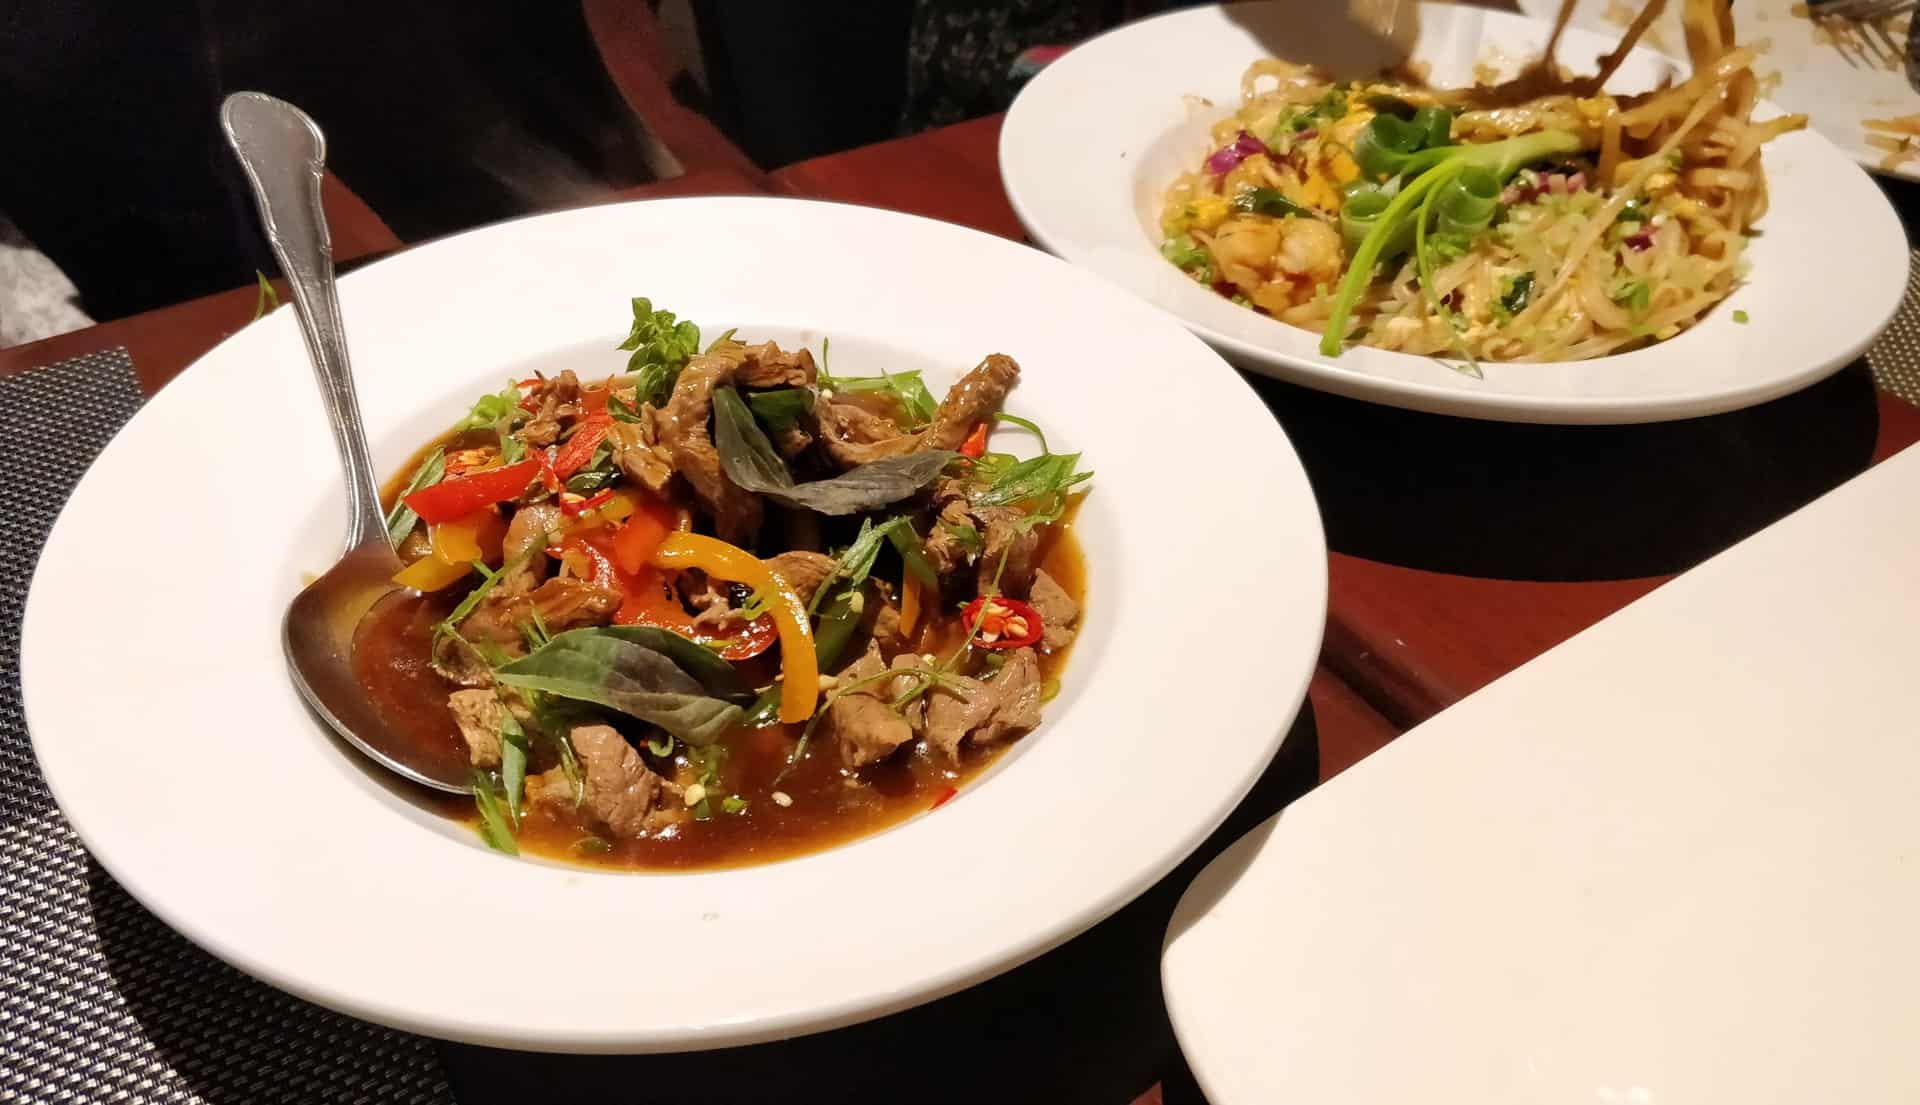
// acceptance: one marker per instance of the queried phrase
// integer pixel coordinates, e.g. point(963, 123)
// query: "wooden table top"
point(1460, 550)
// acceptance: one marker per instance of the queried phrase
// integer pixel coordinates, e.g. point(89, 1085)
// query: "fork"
point(1859, 29)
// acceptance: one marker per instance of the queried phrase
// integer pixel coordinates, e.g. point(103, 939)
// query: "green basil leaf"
point(489, 409)
point(907, 542)
point(712, 673)
point(401, 519)
point(750, 461)
point(781, 407)
point(603, 667)
point(661, 347)
point(1040, 477)
point(513, 764)
point(493, 820)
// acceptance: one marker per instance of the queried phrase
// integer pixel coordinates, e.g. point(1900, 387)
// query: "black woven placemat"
point(99, 1001)
point(1895, 358)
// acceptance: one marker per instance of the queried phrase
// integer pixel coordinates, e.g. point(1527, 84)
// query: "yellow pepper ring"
point(799, 667)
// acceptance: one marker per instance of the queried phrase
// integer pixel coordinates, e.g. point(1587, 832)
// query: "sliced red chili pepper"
point(1002, 621)
point(457, 498)
point(574, 455)
point(976, 443)
point(574, 506)
point(945, 796)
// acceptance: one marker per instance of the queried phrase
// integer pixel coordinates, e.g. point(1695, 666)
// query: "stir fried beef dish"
point(725, 607)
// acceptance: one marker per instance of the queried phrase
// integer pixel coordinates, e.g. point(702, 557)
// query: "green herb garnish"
point(661, 347)
point(401, 519)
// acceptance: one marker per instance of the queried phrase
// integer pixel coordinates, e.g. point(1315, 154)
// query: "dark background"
point(444, 114)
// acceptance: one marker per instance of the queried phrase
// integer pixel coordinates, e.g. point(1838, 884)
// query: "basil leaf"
point(1040, 477)
point(714, 674)
point(905, 388)
point(868, 487)
point(489, 409)
point(661, 348)
point(907, 542)
point(967, 537)
point(401, 519)
point(750, 461)
point(493, 820)
point(513, 763)
point(782, 407)
point(599, 666)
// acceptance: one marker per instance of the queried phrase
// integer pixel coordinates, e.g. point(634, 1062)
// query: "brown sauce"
point(830, 806)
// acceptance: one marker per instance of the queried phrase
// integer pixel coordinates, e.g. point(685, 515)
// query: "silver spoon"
point(284, 155)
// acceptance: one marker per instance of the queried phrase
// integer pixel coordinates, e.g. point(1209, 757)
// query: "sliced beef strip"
point(620, 793)
point(1005, 538)
point(861, 722)
point(638, 452)
point(792, 442)
point(803, 571)
point(915, 711)
point(559, 399)
point(711, 605)
point(1058, 612)
point(880, 615)
point(986, 711)
point(478, 715)
point(563, 604)
point(946, 553)
point(767, 366)
point(853, 435)
point(528, 525)
point(977, 396)
point(999, 533)
point(684, 430)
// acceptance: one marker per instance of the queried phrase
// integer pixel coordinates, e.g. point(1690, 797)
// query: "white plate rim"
point(1095, 225)
point(56, 717)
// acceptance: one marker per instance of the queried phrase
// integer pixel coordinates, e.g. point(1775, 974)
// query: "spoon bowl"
point(284, 155)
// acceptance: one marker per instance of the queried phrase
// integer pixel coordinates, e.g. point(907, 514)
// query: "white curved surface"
point(1670, 862)
point(1092, 142)
point(197, 779)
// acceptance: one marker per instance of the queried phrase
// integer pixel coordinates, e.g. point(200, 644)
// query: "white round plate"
point(1841, 81)
point(1093, 141)
point(163, 718)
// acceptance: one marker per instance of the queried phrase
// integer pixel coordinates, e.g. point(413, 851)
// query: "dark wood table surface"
point(1459, 550)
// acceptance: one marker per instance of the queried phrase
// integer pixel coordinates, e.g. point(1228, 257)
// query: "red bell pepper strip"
point(976, 443)
point(1003, 622)
point(454, 499)
point(945, 796)
point(574, 455)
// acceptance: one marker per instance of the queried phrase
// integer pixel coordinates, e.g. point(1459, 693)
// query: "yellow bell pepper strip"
point(430, 573)
point(909, 605)
point(799, 666)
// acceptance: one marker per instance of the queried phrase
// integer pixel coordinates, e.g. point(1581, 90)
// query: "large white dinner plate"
point(1841, 79)
point(165, 723)
point(1092, 142)
point(1670, 862)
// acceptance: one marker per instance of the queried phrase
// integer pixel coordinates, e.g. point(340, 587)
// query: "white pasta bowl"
point(1092, 143)
point(166, 726)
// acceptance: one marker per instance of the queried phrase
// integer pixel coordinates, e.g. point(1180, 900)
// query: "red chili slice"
point(976, 443)
point(1001, 622)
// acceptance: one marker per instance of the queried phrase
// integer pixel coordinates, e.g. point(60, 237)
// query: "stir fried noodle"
point(1540, 219)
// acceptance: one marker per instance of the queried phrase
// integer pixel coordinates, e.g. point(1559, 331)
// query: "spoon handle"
point(284, 155)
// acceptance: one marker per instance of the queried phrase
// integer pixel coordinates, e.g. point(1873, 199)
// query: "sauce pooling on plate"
point(725, 608)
